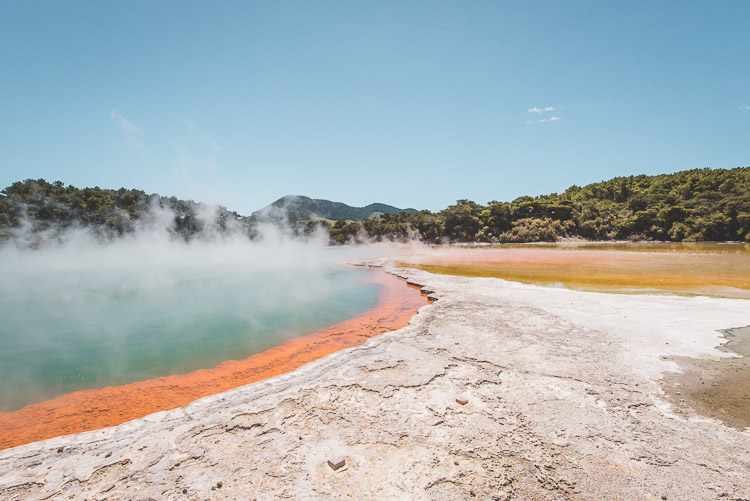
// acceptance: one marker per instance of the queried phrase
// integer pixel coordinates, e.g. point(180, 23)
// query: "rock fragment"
point(336, 463)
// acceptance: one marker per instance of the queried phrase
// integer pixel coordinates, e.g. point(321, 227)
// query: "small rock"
point(336, 463)
point(184, 491)
point(462, 401)
point(219, 485)
point(439, 421)
point(108, 455)
point(60, 450)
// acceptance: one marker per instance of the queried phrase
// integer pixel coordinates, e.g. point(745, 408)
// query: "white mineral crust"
point(563, 403)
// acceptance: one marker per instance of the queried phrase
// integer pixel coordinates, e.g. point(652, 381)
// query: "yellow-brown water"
point(713, 269)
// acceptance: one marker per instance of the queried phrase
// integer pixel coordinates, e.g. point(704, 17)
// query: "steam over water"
point(84, 315)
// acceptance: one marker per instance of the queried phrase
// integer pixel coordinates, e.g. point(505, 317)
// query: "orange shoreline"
point(100, 408)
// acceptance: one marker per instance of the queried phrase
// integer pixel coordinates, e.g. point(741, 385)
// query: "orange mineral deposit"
point(95, 409)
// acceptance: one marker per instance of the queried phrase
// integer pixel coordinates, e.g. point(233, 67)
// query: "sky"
point(410, 103)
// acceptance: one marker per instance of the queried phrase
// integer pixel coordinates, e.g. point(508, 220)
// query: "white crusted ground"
point(563, 403)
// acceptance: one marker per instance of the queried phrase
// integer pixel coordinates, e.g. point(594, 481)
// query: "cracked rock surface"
point(562, 402)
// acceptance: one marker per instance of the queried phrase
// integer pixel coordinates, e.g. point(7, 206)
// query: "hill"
point(301, 208)
point(693, 205)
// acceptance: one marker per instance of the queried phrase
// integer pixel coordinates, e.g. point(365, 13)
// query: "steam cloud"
point(77, 296)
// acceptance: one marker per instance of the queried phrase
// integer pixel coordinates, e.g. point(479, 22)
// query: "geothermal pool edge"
point(497, 390)
point(99, 408)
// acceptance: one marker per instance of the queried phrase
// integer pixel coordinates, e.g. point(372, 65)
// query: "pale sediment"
point(563, 401)
point(716, 388)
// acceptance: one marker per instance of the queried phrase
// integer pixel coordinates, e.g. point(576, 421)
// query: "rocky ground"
point(496, 391)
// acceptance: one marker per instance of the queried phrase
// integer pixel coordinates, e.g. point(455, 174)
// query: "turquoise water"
point(67, 328)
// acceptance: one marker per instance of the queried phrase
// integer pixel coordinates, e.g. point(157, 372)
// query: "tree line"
point(37, 207)
point(693, 205)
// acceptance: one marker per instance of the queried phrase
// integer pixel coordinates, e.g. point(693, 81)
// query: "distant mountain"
point(299, 208)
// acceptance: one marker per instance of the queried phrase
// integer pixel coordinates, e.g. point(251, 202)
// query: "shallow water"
point(714, 269)
point(66, 330)
point(717, 388)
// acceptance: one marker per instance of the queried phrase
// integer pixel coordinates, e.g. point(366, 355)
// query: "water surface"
point(74, 329)
point(703, 268)
point(98, 408)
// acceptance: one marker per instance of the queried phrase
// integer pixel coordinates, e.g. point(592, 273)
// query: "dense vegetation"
point(36, 208)
point(694, 205)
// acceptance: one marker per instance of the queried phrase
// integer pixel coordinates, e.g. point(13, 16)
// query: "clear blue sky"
point(405, 102)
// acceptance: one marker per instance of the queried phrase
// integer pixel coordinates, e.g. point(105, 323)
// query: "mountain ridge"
point(301, 208)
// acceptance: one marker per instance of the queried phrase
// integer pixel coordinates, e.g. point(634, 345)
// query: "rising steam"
point(83, 311)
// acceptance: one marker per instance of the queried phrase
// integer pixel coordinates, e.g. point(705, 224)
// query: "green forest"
point(694, 205)
point(36, 207)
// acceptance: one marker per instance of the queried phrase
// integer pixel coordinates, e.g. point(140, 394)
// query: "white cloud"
point(745, 107)
point(133, 134)
point(202, 140)
point(196, 159)
point(214, 144)
point(543, 120)
point(543, 111)
point(540, 110)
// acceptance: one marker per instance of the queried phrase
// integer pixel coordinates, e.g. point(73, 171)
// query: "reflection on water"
point(701, 268)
